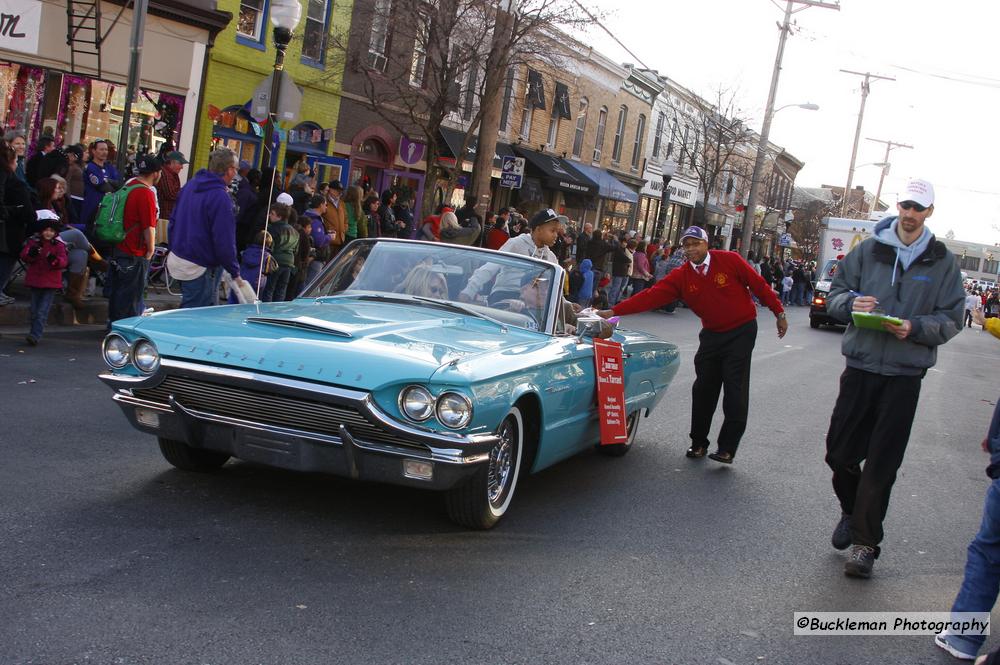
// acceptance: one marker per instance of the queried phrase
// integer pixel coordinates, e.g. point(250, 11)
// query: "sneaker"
point(841, 538)
point(862, 558)
point(941, 639)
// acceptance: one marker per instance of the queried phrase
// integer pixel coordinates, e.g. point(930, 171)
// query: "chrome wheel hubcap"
point(500, 466)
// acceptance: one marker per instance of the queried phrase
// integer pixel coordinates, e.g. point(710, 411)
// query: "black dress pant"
point(870, 423)
point(722, 361)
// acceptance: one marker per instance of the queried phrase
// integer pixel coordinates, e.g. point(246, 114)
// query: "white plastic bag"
point(244, 292)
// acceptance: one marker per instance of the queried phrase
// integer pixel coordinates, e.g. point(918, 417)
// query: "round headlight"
point(116, 350)
point(454, 410)
point(145, 356)
point(416, 403)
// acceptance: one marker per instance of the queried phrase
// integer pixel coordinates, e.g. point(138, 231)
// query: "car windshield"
point(502, 287)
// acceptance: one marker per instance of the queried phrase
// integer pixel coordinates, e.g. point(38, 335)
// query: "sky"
point(945, 101)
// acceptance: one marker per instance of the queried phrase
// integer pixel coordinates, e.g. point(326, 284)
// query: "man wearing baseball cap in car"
point(904, 272)
point(716, 285)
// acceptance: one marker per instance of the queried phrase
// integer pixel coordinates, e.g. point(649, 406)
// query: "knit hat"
point(285, 198)
point(47, 219)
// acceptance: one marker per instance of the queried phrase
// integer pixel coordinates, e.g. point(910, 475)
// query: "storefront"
point(233, 128)
point(616, 209)
point(554, 183)
point(452, 140)
point(377, 163)
point(40, 95)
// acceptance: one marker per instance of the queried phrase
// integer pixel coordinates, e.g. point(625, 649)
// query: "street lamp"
point(749, 215)
point(668, 170)
point(285, 15)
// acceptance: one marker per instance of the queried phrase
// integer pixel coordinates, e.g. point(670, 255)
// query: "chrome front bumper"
point(292, 424)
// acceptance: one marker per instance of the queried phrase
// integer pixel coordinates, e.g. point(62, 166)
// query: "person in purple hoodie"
point(202, 232)
point(320, 236)
point(251, 258)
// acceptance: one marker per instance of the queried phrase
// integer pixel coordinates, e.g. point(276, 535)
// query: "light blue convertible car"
point(423, 364)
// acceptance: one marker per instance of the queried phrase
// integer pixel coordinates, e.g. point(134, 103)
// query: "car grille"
point(301, 414)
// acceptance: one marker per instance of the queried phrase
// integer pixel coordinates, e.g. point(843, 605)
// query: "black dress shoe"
point(725, 458)
point(841, 538)
point(696, 452)
point(862, 558)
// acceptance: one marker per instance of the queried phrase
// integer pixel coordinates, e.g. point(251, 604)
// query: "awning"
point(608, 186)
point(557, 173)
point(453, 140)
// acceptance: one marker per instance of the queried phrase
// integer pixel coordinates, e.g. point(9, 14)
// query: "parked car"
point(404, 362)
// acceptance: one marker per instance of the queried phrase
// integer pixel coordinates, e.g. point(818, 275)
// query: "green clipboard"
point(874, 321)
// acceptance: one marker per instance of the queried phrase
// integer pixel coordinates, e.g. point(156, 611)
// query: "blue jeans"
point(617, 284)
point(799, 294)
point(126, 282)
point(276, 285)
point(202, 291)
point(982, 571)
point(41, 301)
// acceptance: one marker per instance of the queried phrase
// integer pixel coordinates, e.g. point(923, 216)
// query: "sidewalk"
point(15, 318)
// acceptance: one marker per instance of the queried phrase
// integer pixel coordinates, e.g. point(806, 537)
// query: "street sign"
point(512, 174)
point(289, 99)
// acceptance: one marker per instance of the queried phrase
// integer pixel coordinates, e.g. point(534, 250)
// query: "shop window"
point(602, 123)
point(314, 33)
point(378, 44)
point(616, 150)
point(22, 90)
point(92, 110)
point(640, 128)
point(236, 130)
point(581, 127)
point(251, 23)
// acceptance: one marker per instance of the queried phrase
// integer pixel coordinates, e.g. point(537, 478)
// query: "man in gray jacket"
point(902, 271)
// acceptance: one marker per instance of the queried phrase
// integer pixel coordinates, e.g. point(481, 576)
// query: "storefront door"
point(412, 183)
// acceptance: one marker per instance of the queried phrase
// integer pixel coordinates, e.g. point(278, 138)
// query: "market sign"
point(20, 22)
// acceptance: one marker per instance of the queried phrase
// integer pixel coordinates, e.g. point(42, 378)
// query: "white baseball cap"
point(285, 198)
point(919, 191)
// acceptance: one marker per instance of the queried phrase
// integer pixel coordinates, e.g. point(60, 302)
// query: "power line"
point(611, 34)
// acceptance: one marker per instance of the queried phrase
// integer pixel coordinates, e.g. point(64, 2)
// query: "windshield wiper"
point(450, 306)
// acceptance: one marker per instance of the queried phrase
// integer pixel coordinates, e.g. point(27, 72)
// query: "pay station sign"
point(512, 175)
point(610, 391)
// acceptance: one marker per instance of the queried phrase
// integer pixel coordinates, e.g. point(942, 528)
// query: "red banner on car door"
point(610, 391)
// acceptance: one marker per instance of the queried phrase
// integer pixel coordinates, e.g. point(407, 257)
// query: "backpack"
point(109, 224)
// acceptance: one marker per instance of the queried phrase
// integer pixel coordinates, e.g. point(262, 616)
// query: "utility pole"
point(749, 215)
point(865, 88)
point(489, 122)
point(139, 8)
point(889, 145)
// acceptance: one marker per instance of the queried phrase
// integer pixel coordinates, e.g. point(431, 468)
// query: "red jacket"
point(496, 238)
point(721, 298)
point(46, 267)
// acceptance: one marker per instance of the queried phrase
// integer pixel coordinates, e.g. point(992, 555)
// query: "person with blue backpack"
point(135, 208)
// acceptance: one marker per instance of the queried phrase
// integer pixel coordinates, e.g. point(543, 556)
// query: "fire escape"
point(83, 33)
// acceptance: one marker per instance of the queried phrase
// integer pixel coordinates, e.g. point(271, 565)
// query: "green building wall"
point(236, 69)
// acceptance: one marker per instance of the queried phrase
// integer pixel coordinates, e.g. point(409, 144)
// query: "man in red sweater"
point(716, 285)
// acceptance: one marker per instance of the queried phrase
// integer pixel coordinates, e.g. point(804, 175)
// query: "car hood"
point(353, 343)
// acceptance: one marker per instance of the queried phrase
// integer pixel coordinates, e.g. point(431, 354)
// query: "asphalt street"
point(110, 556)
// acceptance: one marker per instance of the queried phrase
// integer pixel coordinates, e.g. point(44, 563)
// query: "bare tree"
point(721, 156)
point(806, 227)
point(438, 61)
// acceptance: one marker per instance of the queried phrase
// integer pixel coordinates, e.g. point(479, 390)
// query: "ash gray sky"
point(945, 57)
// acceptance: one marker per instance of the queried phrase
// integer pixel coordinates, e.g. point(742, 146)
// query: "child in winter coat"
point(285, 249)
point(251, 258)
point(786, 289)
point(46, 256)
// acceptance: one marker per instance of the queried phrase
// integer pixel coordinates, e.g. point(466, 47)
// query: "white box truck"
point(837, 237)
